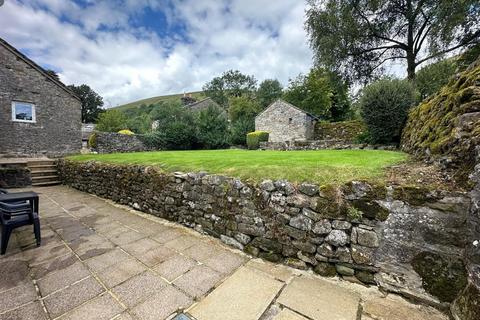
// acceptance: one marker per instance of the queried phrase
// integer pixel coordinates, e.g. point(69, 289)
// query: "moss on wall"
point(346, 131)
point(448, 123)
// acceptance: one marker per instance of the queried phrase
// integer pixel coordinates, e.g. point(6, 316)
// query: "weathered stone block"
point(338, 238)
point(365, 238)
point(322, 227)
point(301, 222)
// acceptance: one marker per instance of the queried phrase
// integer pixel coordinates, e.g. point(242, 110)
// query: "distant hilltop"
point(198, 95)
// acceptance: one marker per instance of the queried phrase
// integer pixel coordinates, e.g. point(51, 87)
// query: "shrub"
point(254, 139)
point(212, 126)
point(384, 107)
point(239, 129)
point(111, 121)
point(126, 131)
point(92, 141)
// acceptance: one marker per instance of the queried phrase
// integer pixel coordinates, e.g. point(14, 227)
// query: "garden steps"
point(44, 172)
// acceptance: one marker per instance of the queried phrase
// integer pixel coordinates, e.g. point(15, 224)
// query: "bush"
point(239, 129)
point(384, 107)
point(92, 141)
point(111, 121)
point(126, 131)
point(212, 128)
point(254, 139)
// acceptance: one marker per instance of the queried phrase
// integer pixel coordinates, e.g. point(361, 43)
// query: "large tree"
point(230, 84)
point(357, 37)
point(268, 91)
point(91, 102)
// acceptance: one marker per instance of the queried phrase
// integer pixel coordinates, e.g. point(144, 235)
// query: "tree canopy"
point(321, 93)
point(91, 102)
point(112, 121)
point(268, 91)
point(230, 84)
point(357, 37)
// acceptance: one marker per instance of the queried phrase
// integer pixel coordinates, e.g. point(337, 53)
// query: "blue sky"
point(133, 49)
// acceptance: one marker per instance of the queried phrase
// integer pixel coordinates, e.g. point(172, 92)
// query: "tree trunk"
point(410, 67)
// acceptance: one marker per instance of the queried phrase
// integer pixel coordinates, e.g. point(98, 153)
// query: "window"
point(290, 120)
point(23, 111)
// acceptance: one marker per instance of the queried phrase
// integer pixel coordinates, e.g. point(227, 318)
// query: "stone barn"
point(285, 122)
point(39, 115)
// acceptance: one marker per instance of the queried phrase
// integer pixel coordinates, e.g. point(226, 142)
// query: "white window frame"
point(14, 112)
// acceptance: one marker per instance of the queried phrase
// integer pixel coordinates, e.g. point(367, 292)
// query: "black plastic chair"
point(18, 210)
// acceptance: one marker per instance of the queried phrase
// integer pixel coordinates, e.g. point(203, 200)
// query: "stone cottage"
point(39, 115)
point(202, 105)
point(285, 122)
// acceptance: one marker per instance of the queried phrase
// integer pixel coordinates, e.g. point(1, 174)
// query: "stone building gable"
point(285, 122)
point(56, 129)
point(202, 105)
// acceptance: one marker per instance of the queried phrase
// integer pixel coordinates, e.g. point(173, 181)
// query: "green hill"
point(135, 104)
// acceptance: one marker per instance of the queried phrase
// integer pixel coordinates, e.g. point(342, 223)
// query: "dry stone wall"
point(15, 176)
point(321, 145)
point(110, 142)
point(390, 236)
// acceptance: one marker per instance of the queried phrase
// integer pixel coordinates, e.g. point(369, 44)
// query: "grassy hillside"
point(135, 104)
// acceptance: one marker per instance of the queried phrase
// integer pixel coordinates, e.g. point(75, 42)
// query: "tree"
point(111, 121)
point(91, 102)
point(384, 106)
point(52, 74)
point(356, 37)
point(212, 125)
point(431, 78)
point(230, 84)
point(268, 91)
point(239, 129)
point(176, 127)
point(140, 124)
point(243, 107)
point(321, 93)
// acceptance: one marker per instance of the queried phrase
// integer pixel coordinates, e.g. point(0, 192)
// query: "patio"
point(102, 261)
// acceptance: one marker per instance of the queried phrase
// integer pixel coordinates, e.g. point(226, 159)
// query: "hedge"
point(254, 139)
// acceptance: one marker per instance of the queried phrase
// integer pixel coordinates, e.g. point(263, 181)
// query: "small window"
point(290, 120)
point(23, 111)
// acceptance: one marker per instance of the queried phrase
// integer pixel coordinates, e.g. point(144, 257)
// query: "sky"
point(133, 49)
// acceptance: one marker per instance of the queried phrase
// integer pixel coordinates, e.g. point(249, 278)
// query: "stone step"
point(44, 172)
point(34, 163)
point(45, 178)
point(45, 184)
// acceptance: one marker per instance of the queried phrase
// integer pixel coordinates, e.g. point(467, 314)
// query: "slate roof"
point(291, 105)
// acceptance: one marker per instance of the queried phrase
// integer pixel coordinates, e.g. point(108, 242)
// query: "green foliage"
point(140, 124)
point(254, 139)
point(92, 141)
point(321, 93)
point(268, 91)
point(353, 213)
point(212, 128)
point(176, 128)
point(243, 108)
point(239, 129)
point(91, 102)
point(230, 84)
point(357, 37)
point(384, 106)
point(111, 121)
point(434, 76)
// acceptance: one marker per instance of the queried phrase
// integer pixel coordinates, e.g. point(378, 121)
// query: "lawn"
point(322, 167)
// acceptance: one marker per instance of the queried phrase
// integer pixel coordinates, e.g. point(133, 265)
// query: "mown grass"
point(321, 167)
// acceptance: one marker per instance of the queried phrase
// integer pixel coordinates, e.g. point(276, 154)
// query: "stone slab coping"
point(21, 160)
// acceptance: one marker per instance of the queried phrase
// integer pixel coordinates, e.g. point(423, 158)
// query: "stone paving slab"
point(103, 261)
point(319, 299)
point(243, 296)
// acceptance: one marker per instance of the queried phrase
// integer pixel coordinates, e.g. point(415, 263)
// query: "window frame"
point(14, 111)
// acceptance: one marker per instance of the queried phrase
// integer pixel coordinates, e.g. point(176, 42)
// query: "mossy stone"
point(467, 305)
point(371, 209)
point(325, 269)
point(442, 277)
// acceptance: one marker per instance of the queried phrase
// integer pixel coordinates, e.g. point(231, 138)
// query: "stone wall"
point(110, 142)
point(285, 122)
point(56, 131)
point(406, 239)
point(15, 176)
point(345, 131)
point(320, 145)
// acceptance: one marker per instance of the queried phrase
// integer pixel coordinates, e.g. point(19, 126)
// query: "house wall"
point(57, 130)
point(285, 123)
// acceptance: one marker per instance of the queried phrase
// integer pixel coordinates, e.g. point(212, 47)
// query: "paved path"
point(102, 261)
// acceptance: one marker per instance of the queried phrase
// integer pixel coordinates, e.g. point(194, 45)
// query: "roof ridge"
point(37, 67)
point(291, 105)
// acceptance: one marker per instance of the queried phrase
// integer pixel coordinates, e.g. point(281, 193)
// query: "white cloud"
point(97, 45)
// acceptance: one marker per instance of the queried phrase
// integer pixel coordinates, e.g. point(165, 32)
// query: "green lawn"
point(322, 167)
